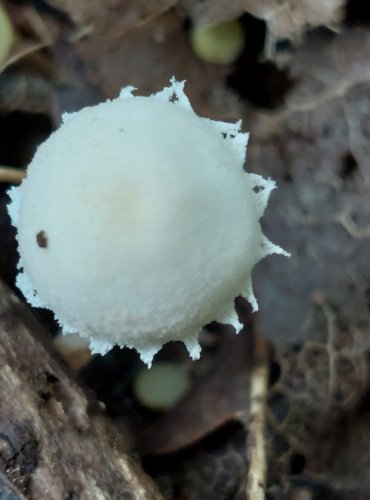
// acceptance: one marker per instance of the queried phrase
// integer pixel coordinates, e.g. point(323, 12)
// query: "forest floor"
point(281, 411)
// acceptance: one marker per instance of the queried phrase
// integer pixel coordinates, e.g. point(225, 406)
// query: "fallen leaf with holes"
point(317, 148)
point(160, 48)
point(316, 439)
point(315, 307)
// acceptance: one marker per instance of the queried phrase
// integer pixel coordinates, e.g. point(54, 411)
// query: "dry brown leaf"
point(215, 468)
point(288, 19)
point(317, 149)
point(112, 17)
point(220, 396)
point(213, 11)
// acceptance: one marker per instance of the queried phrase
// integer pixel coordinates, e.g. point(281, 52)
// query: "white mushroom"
point(137, 224)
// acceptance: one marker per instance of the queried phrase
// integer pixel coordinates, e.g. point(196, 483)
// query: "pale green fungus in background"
point(161, 386)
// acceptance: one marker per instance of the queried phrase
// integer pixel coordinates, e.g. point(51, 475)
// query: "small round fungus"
point(137, 224)
point(161, 386)
point(220, 44)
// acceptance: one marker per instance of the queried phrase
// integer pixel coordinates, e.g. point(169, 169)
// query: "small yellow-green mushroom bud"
point(221, 43)
point(161, 386)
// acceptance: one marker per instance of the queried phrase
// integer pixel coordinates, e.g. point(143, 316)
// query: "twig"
point(11, 175)
point(357, 232)
point(256, 432)
point(24, 52)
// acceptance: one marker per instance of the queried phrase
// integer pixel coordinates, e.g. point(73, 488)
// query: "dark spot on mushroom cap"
point(257, 189)
point(349, 165)
point(42, 239)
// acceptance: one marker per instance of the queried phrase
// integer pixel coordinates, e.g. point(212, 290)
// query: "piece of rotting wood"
point(55, 442)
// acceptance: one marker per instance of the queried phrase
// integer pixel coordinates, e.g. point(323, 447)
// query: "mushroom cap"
point(137, 224)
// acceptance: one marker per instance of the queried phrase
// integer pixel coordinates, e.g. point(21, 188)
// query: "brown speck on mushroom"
point(42, 239)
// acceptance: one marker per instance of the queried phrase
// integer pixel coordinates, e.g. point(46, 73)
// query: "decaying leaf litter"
point(314, 308)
